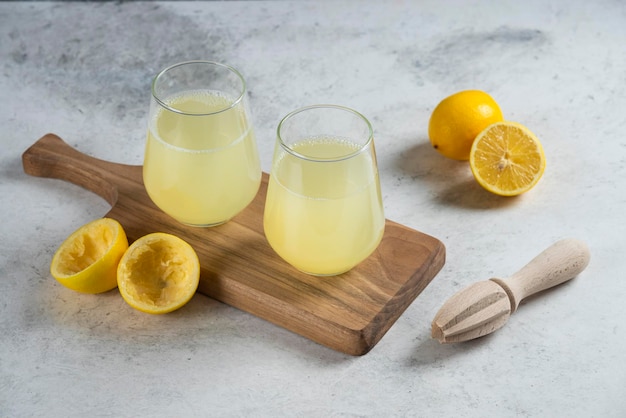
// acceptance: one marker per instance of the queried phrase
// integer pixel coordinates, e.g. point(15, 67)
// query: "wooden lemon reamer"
point(484, 307)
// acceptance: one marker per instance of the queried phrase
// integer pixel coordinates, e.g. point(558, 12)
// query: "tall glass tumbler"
point(324, 212)
point(201, 163)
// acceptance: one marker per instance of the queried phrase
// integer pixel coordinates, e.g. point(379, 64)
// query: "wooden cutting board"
point(349, 313)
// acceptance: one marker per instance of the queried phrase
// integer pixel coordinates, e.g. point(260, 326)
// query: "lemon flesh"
point(507, 159)
point(87, 260)
point(159, 273)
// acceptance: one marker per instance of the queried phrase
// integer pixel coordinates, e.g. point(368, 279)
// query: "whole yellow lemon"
point(458, 119)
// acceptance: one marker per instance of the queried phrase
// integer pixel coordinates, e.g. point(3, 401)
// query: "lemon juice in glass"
point(201, 164)
point(323, 211)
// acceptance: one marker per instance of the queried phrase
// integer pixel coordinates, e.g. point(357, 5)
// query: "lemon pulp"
point(507, 159)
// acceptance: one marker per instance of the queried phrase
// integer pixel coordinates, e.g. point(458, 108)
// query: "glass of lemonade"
point(324, 212)
point(201, 163)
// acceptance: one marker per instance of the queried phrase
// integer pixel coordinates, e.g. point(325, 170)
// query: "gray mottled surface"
point(83, 70)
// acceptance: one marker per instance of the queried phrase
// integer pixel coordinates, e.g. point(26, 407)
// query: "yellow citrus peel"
point(457, 119)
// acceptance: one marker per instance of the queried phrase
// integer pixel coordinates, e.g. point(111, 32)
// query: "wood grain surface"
point(349, 313)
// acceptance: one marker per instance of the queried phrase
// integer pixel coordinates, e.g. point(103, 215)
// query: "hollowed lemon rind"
point(159, 273)
point(87, 260)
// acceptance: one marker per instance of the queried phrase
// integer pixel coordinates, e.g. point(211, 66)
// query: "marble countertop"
point(83, 70)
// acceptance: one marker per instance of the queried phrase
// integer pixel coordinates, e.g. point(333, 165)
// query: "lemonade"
point(324, 213)
point(201, 162)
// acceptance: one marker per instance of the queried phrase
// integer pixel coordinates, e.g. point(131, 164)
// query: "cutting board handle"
point(52, 157)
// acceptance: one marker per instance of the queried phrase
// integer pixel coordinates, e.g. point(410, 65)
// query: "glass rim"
point(352, 154)
point(213, 63)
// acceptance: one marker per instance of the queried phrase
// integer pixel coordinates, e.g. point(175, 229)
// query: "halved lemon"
point(159, 273)
point(87, 260)
point(507, 159)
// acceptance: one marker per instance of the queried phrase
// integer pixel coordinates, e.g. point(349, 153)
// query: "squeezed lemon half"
point(159, 273)
point(87, 260)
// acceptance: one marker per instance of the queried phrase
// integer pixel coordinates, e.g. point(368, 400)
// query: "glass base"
point(205, 225)
point(324, 274)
